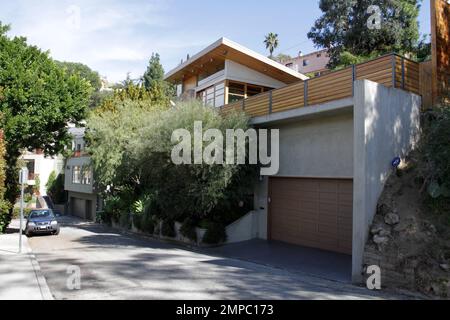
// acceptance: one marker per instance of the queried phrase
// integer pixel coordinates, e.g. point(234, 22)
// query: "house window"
point(305, 62)
point(236, 92)
point(76, 175)
point(213, 96)
point(31, 167)
point(86, 175)
point(319, 55)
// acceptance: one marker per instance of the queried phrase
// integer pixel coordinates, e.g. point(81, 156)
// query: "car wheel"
point(56, 232)
point(28, 234)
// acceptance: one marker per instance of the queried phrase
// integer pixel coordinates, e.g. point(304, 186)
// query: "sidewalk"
point(20, 275)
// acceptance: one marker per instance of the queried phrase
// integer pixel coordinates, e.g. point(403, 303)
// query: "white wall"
point(43, 166)
point(237, 72)
point(387, 125)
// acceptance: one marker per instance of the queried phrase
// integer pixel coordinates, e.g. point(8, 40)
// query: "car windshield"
point(41, 214)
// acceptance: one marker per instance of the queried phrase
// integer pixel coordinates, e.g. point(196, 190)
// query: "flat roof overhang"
point(223, 49)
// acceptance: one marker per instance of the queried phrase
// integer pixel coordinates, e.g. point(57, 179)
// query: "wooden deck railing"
point(390, 70)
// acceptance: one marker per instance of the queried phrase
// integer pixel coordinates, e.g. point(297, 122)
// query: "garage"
point(78, 207)
point(314, 213)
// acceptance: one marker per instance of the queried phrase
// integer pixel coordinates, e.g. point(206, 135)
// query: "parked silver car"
point(40, 222)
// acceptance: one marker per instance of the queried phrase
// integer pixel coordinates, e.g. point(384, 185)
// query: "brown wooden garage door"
point(312, 212)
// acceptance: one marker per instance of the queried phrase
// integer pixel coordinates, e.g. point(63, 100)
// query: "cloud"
point(111, 36)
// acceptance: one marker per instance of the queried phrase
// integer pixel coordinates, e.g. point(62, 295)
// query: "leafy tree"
point(131, 150)
point(154, 73)
point(130, 91)
point(282, 57)
point(38, 99)
point(153, 78)
point(84, 72)
point(344, 27)
point(4, 205)
point(55, 187)
point(422, 51)
point(271, 42)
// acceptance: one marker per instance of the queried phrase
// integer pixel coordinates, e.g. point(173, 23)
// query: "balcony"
point(390, 70)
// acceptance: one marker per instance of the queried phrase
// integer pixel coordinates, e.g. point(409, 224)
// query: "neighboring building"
point(83, 201)
point(312, 63)
point(40, 167)
point(339, 134)
point(227, 72)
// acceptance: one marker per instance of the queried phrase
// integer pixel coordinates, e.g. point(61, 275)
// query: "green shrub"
point(4, 213)
point(436, 152)
point(55, 188)
point(112, 208)
point(131, 146)
point(137, 220)
point(125, 220)
point(188, 229)
point(215, 233)
point(168, 228)
point(148, 224)
point(103, 217)
point(27, 198)
point(16, 212)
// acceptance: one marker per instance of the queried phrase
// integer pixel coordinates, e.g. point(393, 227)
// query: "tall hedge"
point(4, 205)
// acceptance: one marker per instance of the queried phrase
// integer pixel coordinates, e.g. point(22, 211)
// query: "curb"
point(43, 287)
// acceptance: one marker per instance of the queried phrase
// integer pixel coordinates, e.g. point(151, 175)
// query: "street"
point(117, 266)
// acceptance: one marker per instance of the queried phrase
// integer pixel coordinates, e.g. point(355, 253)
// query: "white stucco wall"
point(43, 166)
point(387, 125)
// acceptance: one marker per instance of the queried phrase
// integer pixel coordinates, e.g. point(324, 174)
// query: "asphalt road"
point(116, 266)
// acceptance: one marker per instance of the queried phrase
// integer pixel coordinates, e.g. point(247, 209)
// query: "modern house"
point(339, 134)
point(83, 201)
point(40, 167)
point(226, 72)
point(311, 63)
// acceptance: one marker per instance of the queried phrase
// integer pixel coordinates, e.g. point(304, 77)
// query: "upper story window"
point(76, 175)
point(86, 175)
point(239, 91)
point(31, 169)
point(236, 92)
point(81, 175)
point(305, 62)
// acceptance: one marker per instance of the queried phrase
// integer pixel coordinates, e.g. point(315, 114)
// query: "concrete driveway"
point(297, 259)
point(116, 266)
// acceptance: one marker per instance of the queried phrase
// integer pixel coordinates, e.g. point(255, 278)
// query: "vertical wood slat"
point(394, 71)
point(305, 93)
point(390, 70)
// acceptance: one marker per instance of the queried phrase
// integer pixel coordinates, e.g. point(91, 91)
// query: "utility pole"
point(23, 179)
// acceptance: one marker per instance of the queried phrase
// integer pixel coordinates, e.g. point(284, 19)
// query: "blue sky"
point(115, 37)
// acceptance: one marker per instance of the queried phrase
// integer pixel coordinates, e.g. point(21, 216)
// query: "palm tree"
point(271, 42)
